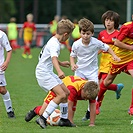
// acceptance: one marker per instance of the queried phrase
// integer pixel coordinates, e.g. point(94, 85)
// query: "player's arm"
point(64, 63)
point(123, 45)
point(115, 57)
point(92, 113)
point(34, 35)
point(70, 111)
point(72, 62)
point(55, 62)
point(20, 33)
point(8, 57)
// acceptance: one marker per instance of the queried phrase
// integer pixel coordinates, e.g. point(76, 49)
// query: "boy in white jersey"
point(4, 44)
point(48, 80)
point(86, 51)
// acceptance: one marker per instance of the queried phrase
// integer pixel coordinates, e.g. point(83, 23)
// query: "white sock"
point(89, 107)
point(50, 108)
point(64, 110)
point(7, 102)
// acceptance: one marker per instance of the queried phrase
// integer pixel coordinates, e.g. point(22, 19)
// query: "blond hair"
point(91, 90)
point(86, 25)
point(64, 26)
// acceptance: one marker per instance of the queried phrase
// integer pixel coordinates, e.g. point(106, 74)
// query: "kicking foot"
point(30, 115)
point(42, 122)
point(66, 122)
point(118, 91)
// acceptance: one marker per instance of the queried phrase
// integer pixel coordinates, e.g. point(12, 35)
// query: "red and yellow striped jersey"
point(105, 59)
point(125, 35)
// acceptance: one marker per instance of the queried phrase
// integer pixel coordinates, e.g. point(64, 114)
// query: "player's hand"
point(61, 75)
point(4, 66)
point(74, 67)
point(116, 58)
point(65, 64)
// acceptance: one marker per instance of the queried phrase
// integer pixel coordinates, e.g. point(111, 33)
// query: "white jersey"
point(4, 44)
point(52, 48)
point(46, 78)
point(87, 60)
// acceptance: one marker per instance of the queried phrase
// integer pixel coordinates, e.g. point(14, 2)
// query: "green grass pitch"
point(26, 94)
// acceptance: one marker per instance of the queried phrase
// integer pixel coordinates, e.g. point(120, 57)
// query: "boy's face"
point(109, 24)
point(86, 36)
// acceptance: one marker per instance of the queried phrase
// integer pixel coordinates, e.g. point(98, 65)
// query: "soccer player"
point(80, 89)
point(4, 44)
point(29, 30)
point(110, 20)
point(85, 50)
point(48, 80)
point(124, 42)
point(12, 33)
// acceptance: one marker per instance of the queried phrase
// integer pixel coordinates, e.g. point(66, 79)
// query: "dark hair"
point(112, 16)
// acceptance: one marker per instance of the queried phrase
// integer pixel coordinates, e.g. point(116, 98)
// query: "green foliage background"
point(46, 9)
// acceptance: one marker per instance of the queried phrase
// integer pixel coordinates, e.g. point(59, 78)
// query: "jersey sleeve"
point(123, 33)
point(73, 51)
point(6, 43)
point(73, 94)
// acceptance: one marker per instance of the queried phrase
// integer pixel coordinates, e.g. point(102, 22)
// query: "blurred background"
point(45, 10)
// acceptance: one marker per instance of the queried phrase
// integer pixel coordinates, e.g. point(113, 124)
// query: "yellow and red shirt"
point(125, 35)
point(105, 59)
point(29, 28)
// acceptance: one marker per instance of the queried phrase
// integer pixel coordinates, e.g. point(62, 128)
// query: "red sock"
point(37, 109)
point(112, 87)
point(132, 100)
point(101, 93)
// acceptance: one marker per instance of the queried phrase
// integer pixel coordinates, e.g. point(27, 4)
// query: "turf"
point(26, 94)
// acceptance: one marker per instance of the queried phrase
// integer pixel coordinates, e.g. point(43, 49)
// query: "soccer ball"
point(54, 118)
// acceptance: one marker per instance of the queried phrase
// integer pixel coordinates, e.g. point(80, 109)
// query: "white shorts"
point(48, 81)
point(86, 76)
point(2, 80)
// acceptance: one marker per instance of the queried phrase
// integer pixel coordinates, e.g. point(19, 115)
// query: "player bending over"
point(80, 89)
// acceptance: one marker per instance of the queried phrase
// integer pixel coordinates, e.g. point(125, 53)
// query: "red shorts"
point(102, 75)
point(117, 69)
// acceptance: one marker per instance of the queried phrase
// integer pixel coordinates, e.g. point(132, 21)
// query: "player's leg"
point(6, 97)
point(130, 70)
point(38, 110)
point(64, 121)
point(7, 102)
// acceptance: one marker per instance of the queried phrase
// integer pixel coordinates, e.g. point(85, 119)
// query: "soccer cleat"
point(97, 108)
point(42, 122)
point(87, 116)
point(66, 122)
point(118, 91)
point(24, 56)
point(11, 114)
point(30, 56)
point(30, 115)
point(130, 111)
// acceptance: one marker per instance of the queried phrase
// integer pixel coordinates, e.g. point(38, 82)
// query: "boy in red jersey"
point(80, 89)
point(124, 42)
point(110, 20)
point(29, 30)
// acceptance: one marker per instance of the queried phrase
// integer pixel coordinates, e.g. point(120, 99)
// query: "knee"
point(3, 90)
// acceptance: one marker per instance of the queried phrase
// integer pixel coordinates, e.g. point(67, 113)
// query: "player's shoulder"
point(2, 33)
point(77, 41)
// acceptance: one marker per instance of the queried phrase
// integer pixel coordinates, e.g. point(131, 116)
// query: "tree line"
point(45, 10)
